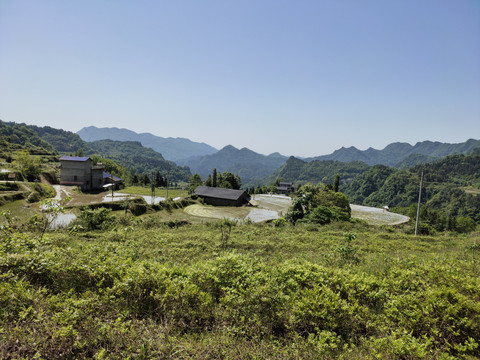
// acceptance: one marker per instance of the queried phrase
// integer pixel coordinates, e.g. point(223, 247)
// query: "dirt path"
point(62, 192)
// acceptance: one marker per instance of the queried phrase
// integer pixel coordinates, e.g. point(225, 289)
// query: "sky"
point(301, 77)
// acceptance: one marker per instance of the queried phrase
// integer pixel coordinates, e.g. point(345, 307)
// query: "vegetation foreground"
point(144, 289)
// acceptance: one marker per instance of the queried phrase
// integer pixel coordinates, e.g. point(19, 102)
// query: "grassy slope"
point(145, 290)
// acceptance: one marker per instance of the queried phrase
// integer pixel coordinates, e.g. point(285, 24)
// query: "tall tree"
point(159, 182)
point(214, 178)
point(336, 183)
point(145, 179)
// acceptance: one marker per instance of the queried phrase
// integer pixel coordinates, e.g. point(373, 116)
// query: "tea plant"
point(346, 250)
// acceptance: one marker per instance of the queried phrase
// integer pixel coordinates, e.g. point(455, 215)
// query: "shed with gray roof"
point(222, 197)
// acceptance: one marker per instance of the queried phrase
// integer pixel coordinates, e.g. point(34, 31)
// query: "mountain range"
point(173, 149)
point(395, 153)
point(251, 166)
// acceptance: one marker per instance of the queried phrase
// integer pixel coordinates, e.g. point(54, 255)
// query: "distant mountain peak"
point(276, 154)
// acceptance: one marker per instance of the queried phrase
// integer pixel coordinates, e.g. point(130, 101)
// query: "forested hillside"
point(63, 141)
point(14, 137)
point(449, 195)
point(445, 195)
point(299, 171)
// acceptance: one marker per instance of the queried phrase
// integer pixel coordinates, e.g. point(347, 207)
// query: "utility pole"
point(418, 206)
point(153, 188)
point(166, 181)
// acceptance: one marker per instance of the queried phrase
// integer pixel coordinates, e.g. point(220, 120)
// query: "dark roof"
point(219, 193)
point(75, 158)
point(113, 177)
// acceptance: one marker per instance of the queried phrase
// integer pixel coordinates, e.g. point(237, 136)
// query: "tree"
point(214, 178)
point(336, 183)
point(194, 181)
point(229, 181)
point(145, 180)
point(159, 181)
point(208, 182)
point(135, 179)
point(317, 205)
point(30, 167)
point(79, 152)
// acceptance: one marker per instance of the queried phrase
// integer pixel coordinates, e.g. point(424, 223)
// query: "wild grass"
point(144, 288)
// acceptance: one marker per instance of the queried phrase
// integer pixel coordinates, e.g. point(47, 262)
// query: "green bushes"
point(9, 186)
point(284, 292)
point(40, 191)
point(317, 205)
point(94, 219)
point(138, 209)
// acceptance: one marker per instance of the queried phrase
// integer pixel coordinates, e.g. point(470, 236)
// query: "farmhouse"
point(222, 197)
point(285, 188)
point(79, 171)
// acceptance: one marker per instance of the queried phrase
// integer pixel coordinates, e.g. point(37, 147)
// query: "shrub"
point(320, 215)
point(138, 209)
point(465, 224)
point(280, 222)
point(347, 251)
point(92, 219)
point(34, 196)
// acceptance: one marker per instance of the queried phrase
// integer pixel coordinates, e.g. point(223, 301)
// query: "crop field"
point(375, 216)
point(269, 207)
point(274, 206)
point(159, 192)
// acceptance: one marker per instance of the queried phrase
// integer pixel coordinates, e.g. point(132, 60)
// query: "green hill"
point(444, 198)
point(14, 137)
point(63, 141)
point(299, 171)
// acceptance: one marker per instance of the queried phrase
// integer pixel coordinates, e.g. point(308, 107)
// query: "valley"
point(302, 276)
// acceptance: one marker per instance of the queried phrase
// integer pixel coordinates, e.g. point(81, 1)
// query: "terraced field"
point(375, 216)
point(274, 206)
point(268, 207)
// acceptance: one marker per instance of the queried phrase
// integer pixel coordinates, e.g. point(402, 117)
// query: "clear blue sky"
point(298, 77)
